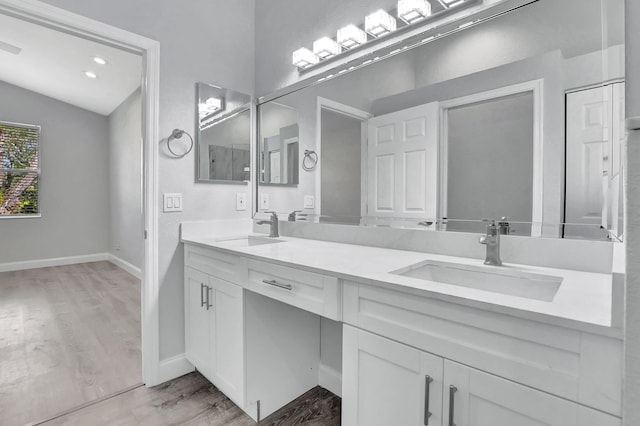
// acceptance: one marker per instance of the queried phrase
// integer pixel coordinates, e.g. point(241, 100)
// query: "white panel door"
point(615, 191)
point(227, 338)
point(275, 166)
point(402, 163)
point(481, 399)
point(197, 318)
point(589, 138)
point(386, 383)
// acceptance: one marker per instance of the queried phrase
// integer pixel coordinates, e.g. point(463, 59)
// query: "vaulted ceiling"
point(54, 64)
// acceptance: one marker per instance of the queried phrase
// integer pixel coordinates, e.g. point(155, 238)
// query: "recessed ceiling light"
point(99, 60)
point(90, 74)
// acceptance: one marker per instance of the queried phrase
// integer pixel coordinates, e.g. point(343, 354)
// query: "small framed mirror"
point(224, 135)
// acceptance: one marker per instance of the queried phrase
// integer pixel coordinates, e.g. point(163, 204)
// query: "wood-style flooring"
point(192, 400)
point(68, 335)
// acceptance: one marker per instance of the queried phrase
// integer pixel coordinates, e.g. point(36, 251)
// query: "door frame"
point(77, 25)
point(349, 111)
point(537, 88)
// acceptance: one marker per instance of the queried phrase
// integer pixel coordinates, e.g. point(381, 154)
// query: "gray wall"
point(490, 160)
point(632, 222)
point(125, 181)
point(341, 147)
point(200, 40)
point(74, 186)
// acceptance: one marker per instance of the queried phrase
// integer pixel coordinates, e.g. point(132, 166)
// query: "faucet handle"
point(492, 227)
point(292, 215)
point(274, 215)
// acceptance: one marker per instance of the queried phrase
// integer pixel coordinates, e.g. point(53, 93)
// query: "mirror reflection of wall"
point(279, 147)
point(490, 163)
point(225, 149)
point(341, 187)
point(423, 109)
point(224, 135)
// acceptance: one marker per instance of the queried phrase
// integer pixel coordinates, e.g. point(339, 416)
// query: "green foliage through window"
point(19, 169)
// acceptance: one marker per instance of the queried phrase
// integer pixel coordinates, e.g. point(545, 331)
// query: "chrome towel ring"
point(177, 134)
point(310, 160)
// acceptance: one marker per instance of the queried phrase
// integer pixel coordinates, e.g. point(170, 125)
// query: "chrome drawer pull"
point(452, 392)
point(277, 284)
point(427, 413)
point(209, 291)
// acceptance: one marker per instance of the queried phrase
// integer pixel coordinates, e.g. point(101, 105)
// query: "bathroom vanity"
point(510, 345)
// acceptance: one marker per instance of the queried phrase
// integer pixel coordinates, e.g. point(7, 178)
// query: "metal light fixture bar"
point(351, 37)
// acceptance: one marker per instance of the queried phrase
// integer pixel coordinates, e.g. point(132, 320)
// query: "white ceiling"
point(53, 63)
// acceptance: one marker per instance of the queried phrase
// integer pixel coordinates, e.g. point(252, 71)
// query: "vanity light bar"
point(210, 106)
point(379, 23)
point(326, 48)
point(351, 36)
point(450, 3)
point(304, 58)
point(411, 11)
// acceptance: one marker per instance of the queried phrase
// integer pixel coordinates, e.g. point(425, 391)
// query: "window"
point(19, 169)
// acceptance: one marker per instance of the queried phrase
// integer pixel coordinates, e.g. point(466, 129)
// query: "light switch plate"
point(264, 201)
point(241, 201)
point(172, 202)
point(309, 202)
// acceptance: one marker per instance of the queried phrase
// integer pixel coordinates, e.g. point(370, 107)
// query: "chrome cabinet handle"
point(209, 305)
point(202, 286)
point(277, 284)
point(427, 413)
point(452, 392)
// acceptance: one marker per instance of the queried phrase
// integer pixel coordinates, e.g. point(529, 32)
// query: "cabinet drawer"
point(579, 366)
point(305, 290)
point(216, 263)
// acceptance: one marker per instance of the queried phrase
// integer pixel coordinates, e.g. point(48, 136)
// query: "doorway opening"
point(96, 279)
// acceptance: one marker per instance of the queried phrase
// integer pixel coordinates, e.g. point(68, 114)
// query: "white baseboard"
point(330, 379)
point(57, 261)
point(174, 367)
point(123, 264)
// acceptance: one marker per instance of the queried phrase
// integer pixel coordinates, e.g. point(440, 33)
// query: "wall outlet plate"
point(309, 202)
point(172, 202)
point(264, 201)
point(241, 201)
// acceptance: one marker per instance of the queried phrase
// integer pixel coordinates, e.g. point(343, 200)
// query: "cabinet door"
point(197, 320)
point(481, 399)
point(386, 383)
point(227, 338)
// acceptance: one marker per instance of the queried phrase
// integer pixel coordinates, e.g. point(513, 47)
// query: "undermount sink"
point(494, 279)
point(248, 241)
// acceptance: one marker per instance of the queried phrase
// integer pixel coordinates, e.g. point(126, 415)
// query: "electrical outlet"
point(241, 201)
point(309, 202)
point(264, 201)
point(172, 202)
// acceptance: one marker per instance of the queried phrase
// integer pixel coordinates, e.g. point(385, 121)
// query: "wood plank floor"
point(68, 335)
point(192, 400)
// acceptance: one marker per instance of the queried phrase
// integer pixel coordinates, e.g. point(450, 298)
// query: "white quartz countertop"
point(583, 300)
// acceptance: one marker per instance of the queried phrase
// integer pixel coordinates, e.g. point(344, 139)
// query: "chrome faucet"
point(504, 227)
point(492, 241)
point(292, 215)
point(273, 231)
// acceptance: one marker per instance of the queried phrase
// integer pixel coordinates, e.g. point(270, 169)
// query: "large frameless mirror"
point(517, 118)
point(224, 135)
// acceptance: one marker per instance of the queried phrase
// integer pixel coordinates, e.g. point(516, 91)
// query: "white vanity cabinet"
point(409, 357)
point(386, 382)
point(214, 334)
